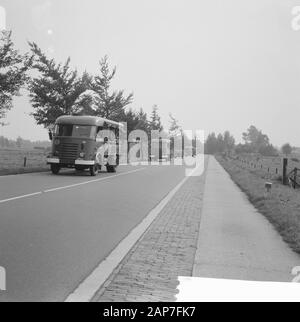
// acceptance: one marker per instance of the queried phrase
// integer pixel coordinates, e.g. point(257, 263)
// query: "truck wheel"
point(55, 168)
point(94, 170)
point(111, 168)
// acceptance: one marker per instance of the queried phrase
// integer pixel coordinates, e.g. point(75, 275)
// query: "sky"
point(216, 65)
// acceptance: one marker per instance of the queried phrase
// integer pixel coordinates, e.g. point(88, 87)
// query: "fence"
point(284, 169)
point(16, 159)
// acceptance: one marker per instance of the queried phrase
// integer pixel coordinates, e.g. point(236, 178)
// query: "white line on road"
point(69, 186)
point(91, 181)
point(88, 288)
point(21, 197)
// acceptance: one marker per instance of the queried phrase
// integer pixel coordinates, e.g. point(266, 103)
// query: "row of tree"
point(13, 72)
point(21, 143)
point(219, 143)
point(255, 141)
point(138, 120)
point(56, 89)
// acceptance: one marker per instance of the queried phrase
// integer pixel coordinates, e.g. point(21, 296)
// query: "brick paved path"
point(167, 250)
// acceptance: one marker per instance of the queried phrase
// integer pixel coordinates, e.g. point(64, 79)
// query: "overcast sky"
point(214, 64)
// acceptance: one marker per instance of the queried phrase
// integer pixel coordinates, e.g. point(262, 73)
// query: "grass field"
point(281, 206)
point(267, 167)
point(12, 161)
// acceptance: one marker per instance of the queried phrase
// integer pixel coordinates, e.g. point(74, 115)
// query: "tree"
point(286, 149)
point(228, 141)
point(135, 120)
point(174, 129)
point(220, 143)
point(143, 123)
point(155, 121)
point(268, 151)
point(130, 117)
point(255, 139)
point(56, 90)
point(243, 148)
point(13, 68)
point(211, 144)
point(107, 104)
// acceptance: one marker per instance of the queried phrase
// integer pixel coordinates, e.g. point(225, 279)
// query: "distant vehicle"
point(84, 142)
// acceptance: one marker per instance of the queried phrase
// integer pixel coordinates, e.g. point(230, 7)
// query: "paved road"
point(55, 229)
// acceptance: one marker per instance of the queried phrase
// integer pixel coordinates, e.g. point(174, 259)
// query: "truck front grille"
point(68, 152)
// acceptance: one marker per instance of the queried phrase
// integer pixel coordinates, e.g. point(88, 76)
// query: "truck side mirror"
point(50, 135)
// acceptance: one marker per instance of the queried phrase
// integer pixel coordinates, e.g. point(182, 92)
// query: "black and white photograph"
point(149, 154)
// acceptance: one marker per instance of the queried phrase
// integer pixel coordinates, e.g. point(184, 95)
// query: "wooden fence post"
point(284, 172)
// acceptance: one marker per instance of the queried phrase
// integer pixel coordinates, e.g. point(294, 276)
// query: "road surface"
point(54, 230)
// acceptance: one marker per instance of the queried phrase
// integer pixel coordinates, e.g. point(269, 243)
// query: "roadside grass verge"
point(281, 206)
point(12, 161)
point(6, 172)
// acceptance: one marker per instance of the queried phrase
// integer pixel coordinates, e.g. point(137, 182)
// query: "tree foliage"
point(13, 68)
point(286, 149)
point(135, 120)
point(219, 143)
point(268, 151)
point(108, 104)
point(56, 90)
point(174, 129)
point(21, 143)
point(255, 139)
point(143, 123)
point(228, 141)
point(155, 120)
point(256, 142)
point(211, 144)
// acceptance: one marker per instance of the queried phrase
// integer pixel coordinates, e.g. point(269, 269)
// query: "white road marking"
point(69, 186)
point(91, 181)
point(88, 288)
point(21, 197)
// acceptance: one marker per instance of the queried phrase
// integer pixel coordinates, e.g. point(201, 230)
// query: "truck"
point(84, 143)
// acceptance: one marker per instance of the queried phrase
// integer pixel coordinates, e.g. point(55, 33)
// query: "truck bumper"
point(84, 162)
point(77, 162)
point(52, 160)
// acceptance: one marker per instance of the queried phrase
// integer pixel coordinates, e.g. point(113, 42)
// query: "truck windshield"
point(82, 131)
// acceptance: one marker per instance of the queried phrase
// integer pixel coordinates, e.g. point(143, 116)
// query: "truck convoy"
point(84, 142)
